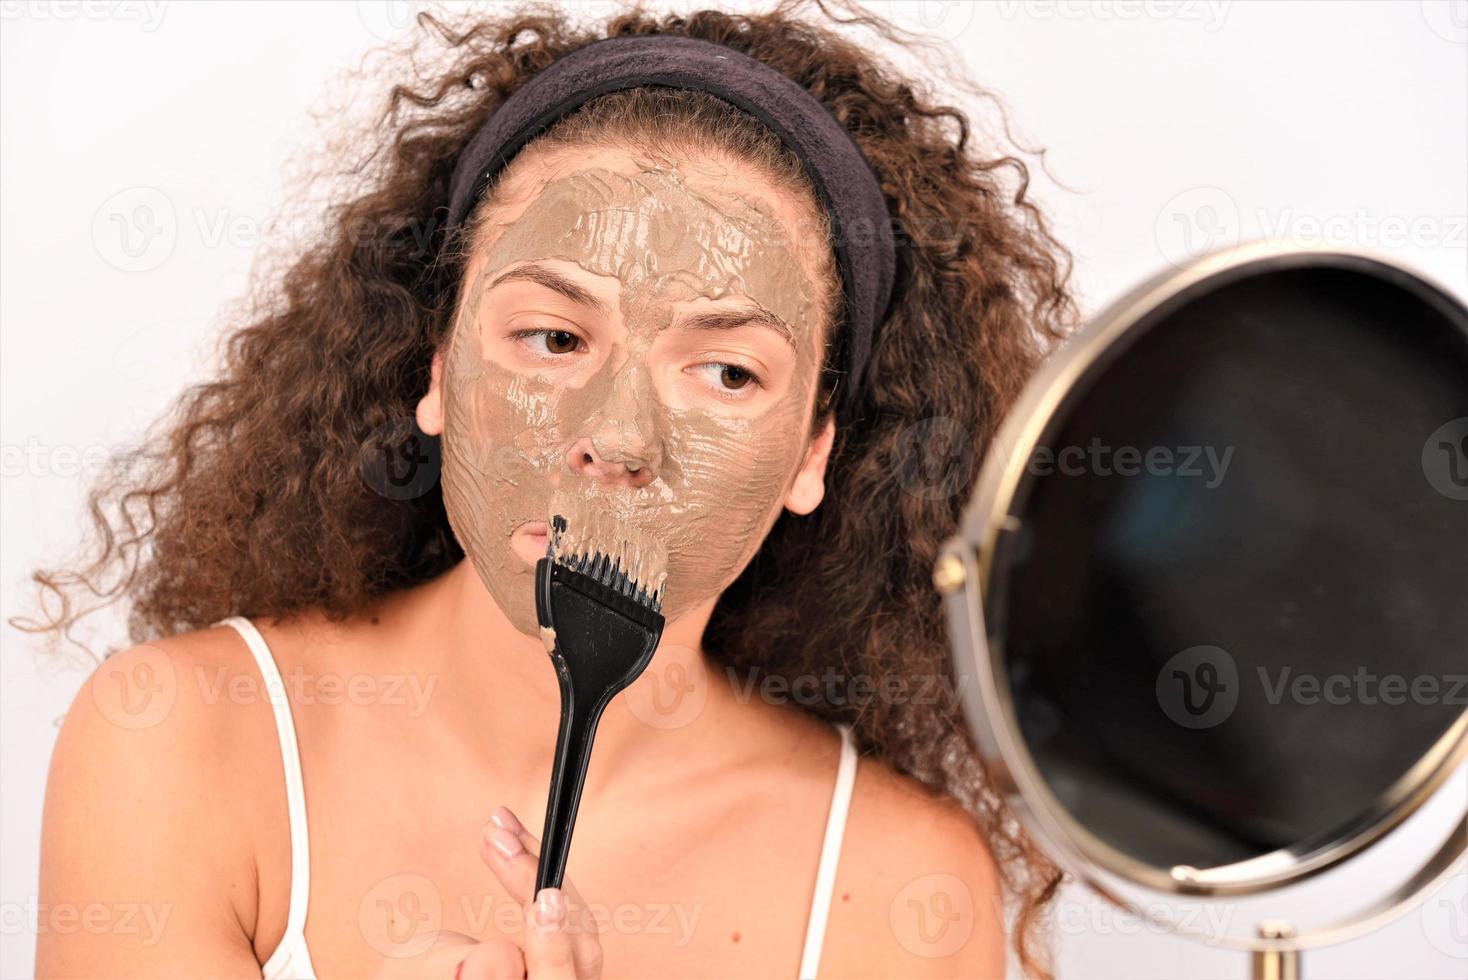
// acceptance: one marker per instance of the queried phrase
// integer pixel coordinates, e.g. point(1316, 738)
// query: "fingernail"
point(550, 909)
point(506, 843)
point(504, 819)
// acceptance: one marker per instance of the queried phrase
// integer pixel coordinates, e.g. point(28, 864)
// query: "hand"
point(561, 937)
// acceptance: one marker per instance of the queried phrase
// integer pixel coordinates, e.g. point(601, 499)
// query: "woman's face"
point(638, 339)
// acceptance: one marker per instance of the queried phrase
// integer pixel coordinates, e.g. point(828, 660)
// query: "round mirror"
point(1211, 597)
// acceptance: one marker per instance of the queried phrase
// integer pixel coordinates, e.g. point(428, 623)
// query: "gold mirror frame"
point(962, 575)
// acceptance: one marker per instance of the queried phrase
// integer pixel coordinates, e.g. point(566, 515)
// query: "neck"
point(503, 683)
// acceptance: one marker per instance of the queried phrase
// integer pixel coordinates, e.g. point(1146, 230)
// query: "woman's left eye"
point(555, 342)
point(728, 379)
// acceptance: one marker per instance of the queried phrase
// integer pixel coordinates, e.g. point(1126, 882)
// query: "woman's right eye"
point(548, 342)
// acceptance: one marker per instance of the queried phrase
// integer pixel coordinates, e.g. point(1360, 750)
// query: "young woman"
point(323, 755)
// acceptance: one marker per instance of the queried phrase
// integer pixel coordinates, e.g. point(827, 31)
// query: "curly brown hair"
point(249, 499)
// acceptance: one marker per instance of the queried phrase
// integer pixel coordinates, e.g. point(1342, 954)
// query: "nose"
point(620, 448)
point(614, 463)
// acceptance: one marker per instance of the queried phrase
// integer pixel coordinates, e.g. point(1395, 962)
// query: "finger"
point(511, 852)
point(512, 862)
point(549, 952)
point(519, 884)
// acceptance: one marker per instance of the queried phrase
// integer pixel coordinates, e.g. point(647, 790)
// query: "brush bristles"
point(596, 544)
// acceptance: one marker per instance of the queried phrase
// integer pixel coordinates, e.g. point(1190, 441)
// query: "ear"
point(809, 488)
point(430, 406)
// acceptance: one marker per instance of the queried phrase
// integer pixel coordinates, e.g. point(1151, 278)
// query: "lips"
point(529, 541)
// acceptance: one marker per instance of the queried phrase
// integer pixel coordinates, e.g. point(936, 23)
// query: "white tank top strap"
point(291, 960)
point(820, 904)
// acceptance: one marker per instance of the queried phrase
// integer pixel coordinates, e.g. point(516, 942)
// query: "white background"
point(1174, 126)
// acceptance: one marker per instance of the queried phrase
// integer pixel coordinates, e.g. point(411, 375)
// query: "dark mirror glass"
point(1234, 612)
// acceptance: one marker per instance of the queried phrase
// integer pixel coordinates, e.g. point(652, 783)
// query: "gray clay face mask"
point(720, 468)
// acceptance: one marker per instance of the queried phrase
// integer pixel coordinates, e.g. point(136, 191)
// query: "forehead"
point(712, 174)
point(724, 195)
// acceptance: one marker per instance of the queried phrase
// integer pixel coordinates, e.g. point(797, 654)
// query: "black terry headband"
point(861, 229)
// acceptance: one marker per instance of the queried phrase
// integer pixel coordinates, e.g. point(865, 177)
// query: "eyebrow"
point(711, 320)
point(552, 280)
point(729, 319)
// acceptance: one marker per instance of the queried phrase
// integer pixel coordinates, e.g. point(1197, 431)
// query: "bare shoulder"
point(917, 890)
point(148, 805)
point(175, 706)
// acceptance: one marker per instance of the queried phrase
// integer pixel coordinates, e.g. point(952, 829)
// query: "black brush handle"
point(602, 640)
point(579, 717)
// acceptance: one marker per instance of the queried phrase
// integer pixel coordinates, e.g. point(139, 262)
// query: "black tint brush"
point(598, 597)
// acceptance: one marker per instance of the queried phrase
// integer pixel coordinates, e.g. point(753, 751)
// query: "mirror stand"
point(1275, 964)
